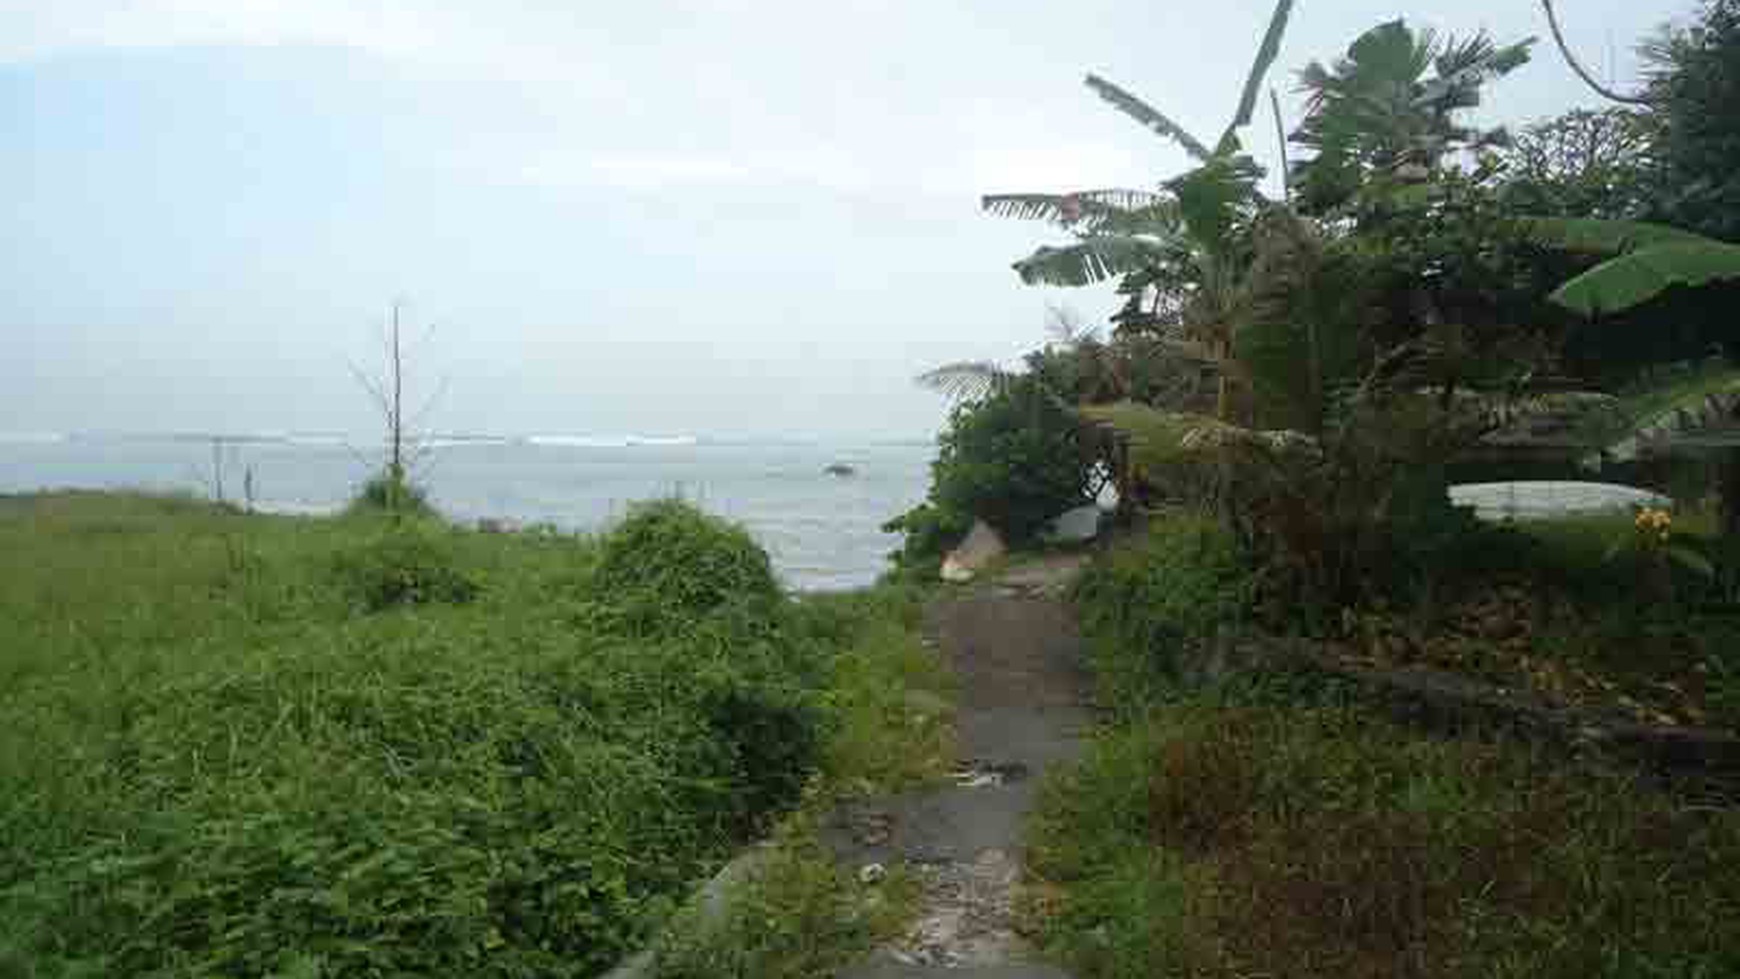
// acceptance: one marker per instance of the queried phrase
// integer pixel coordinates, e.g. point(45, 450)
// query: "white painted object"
point(1544, 499)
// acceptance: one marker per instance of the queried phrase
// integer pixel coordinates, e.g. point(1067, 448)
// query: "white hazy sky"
point(721, 217)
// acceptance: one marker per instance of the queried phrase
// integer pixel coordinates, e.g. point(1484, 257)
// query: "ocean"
point(822, 530)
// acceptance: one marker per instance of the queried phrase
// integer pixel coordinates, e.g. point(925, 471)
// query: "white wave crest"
point(32, 438)
point(609, 441)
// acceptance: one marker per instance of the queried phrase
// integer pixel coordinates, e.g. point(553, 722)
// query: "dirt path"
point(1022, 708)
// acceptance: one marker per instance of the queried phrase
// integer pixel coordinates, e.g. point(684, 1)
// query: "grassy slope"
point(1280, 829)
point(213, 761)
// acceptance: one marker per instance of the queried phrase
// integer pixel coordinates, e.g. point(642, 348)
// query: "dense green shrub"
point(669, 563)
point(1015, 458)
point(408, 565)
point(522, 785)
point(386, 493)
point(1143, 605)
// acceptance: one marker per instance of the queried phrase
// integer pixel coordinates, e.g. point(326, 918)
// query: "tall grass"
point(220, 756)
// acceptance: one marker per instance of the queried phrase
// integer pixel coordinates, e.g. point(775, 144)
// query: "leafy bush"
point(1150, 600)
point(520, 785)
point(386, 492)
point(1015, 459)
point(404, 566)
point(669, 563)
point(927, 533)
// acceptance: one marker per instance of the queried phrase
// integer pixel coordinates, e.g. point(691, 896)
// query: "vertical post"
point(395, 421)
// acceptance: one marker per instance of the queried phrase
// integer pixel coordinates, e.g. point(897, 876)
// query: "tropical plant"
point(1693, 88)
point(1643, 261)
point(1585, 163)
point(1647, 262)
point(1015, 457)
point(1163, 244)
point(1389, 109)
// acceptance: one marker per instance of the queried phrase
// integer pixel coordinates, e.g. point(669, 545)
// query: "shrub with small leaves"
point(670, 563)
point(404, 566)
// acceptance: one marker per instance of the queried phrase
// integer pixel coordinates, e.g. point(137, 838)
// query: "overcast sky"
point(720, 217)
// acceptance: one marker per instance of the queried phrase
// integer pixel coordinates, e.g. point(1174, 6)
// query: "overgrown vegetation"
point(245, 746)
point(1271, 823)
point(1242, 836)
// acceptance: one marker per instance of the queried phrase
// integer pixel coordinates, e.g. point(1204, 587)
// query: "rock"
point(872, 873)
point(840, 469)
point(982, 546)
point(1076, 526)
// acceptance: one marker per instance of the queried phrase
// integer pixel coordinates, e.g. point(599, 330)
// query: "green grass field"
point(260, 746)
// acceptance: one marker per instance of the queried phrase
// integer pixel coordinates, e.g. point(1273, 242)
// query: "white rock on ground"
point(982, 546)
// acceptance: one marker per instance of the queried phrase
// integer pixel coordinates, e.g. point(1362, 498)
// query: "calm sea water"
point(823, 531)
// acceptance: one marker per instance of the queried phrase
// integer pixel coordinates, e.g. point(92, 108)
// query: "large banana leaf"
point(1595, 236)
point(1093, 259)
point(1698, 409)
point(1641, 275)
point(1149, 116)
point(1266, 54)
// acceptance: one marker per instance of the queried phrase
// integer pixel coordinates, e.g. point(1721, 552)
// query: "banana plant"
point(1125, 232)
point(1643, 261)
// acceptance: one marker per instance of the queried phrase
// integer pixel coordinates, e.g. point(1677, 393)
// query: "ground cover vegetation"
point(1424, 297)
point(247, 745)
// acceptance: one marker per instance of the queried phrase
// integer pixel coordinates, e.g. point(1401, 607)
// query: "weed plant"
point(260, 768)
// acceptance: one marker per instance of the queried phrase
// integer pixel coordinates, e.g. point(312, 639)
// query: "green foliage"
point(404, 565)
point(1639, 276)
point(1224, 839)
point(196, 784)
point(1583, 164)
point(1150, 601)
point(927, 533)
point(668, 563)
point(1695, 86)
point(1376, 112)
point(795, 915)
point(389, 492)
point(1014, 458)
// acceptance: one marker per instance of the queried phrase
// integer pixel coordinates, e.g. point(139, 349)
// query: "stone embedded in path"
point(982, 546)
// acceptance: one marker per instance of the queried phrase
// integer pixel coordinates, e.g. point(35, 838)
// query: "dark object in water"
point(840, 469)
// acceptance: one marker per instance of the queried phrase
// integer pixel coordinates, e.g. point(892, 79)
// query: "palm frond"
point(1148, 116)
point(1091, 260)
point(1158, 438)
point(1266, 54)
point(1638, 276)
point(1087, 210)
point(966, 380)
